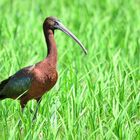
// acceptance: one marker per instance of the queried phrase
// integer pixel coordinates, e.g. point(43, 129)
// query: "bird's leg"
point(38, 103)
point(23, 101)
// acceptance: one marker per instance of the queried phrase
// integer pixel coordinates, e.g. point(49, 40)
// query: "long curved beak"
point(61, 27)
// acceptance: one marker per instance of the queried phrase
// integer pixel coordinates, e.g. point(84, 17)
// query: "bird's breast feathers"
point(45, 77)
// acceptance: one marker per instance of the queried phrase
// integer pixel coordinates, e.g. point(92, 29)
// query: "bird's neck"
point(51, 45)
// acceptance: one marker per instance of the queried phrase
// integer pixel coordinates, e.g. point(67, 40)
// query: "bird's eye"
point(56, 23)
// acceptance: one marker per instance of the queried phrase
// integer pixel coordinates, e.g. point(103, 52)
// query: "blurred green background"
point(97, 95)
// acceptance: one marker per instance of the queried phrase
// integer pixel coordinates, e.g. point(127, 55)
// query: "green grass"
point(97, 96)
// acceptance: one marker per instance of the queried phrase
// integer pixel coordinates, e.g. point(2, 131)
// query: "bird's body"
point(33, 81)
point(29, 83)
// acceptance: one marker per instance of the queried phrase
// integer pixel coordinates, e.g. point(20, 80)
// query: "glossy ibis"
point(33, 81)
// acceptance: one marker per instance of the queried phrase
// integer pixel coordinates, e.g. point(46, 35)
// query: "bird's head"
point(53, 23)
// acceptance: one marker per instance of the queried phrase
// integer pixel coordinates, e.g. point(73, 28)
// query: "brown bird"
point(33, 81)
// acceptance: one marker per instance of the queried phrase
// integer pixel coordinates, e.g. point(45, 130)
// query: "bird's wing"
point(4, 82)
point(17, 84)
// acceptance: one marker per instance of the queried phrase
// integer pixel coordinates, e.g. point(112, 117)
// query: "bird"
point(33, 81)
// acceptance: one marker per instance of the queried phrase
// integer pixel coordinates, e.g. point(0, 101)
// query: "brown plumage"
point(33, 81)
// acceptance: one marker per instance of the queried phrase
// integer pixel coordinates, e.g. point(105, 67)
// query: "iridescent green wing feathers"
point(17, 84)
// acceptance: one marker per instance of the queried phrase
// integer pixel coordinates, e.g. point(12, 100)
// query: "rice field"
point(97, 96)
